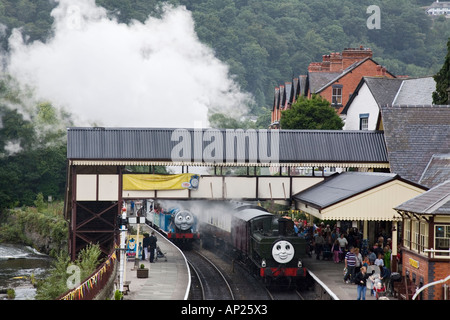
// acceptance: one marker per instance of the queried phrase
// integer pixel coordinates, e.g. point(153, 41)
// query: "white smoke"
point(152, 74)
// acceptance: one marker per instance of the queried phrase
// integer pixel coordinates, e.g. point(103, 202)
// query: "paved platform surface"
point(167, 280)
point(332, 275)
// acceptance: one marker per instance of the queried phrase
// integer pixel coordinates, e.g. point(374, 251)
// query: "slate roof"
point(434, 201)
point(383, 89)
point(388, 91)
point(342, 186)
point(437, 170)
point(156, 144)
point(416, 91)
point(413, 133)
point(317, 80)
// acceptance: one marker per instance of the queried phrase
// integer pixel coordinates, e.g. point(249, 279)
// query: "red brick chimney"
point(352, 55)
point(337, 62)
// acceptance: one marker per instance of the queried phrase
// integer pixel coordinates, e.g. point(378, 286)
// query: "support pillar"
point(394, 266)
point(366, 229)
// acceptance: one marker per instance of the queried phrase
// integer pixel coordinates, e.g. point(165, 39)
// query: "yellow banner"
point(160, 182)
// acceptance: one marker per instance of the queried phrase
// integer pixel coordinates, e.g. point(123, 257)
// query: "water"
point(17, 264)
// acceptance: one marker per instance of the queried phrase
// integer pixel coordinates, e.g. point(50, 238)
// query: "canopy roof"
point(434, 201)
point(156, 146)
point(357, 196)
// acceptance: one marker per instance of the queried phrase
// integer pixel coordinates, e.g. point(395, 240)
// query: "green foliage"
point(88, 260)
point(442, 78)
point(313, 114)
point(11, 294)
point(267, 42)
point(32, 147)
point(219, 120)
point(118, 295)
point(45, 222)
point(56, 284)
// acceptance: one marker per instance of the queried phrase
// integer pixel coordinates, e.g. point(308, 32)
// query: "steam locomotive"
point(177, 224)
point(266, 243)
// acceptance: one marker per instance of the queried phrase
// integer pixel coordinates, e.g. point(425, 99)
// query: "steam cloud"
point(151, 74)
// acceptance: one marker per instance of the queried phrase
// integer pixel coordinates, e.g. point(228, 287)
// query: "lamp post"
point(123, 234)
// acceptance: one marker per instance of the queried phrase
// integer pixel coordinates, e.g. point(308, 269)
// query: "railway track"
point(208, 282)
point(276, 294)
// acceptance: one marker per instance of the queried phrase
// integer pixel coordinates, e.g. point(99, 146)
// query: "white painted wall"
point(364, 102)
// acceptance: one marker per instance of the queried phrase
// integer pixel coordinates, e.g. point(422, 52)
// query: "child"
point(379, 261)
point(336, 249)
point(366, 261)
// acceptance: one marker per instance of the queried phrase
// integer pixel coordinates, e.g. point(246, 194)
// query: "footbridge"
point(107, 166)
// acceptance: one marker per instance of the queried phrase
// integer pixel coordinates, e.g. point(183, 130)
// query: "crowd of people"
point(369, 267)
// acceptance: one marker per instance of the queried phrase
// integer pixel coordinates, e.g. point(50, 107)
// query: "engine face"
point(283, 251)
point(184, 220)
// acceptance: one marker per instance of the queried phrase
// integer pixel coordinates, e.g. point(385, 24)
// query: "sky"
point(106, 73)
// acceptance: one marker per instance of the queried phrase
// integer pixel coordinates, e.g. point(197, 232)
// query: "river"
point(17, 264)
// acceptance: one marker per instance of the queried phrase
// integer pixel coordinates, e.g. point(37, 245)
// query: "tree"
point(442, 78)
point(311, 114)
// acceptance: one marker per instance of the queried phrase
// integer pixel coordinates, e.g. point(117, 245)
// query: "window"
point(415, 238)
point(364, 121)
point(423, 236)
point(407, 235)
point(442, 239)
point(336, 97)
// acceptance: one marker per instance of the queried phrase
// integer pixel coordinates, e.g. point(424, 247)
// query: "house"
point(338, 75)
point(335, 79)
point(362, 111)
point(284, 96)
point(439, 8)
point(426, 240)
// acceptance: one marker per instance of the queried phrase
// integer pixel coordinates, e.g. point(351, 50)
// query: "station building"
point(426, 240)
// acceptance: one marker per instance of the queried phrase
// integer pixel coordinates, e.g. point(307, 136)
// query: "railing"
point(440, 254)
point(88, 289)
point(423, 250)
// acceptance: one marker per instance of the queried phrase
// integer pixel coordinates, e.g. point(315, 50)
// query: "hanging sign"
point(160, 181)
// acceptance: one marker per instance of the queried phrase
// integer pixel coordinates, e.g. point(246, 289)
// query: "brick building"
point(426, 240)
point(335, 78)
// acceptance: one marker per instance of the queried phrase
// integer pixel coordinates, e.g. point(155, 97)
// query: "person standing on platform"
point(359, 260)
point(145, 244)
point(343, 244)
point(361, 282)
point(152, 246)
point(320, 241)
point(336, 250)
point(350, 262)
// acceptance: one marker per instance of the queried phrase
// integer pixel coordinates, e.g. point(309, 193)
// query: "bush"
point(42, 227)
point(56, 284)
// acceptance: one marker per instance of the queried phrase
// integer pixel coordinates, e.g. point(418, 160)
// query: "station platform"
point(331, 276)
point(168, 277)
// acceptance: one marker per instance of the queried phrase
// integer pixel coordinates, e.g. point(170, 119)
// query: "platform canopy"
point(226, 147)
point(358, 196)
